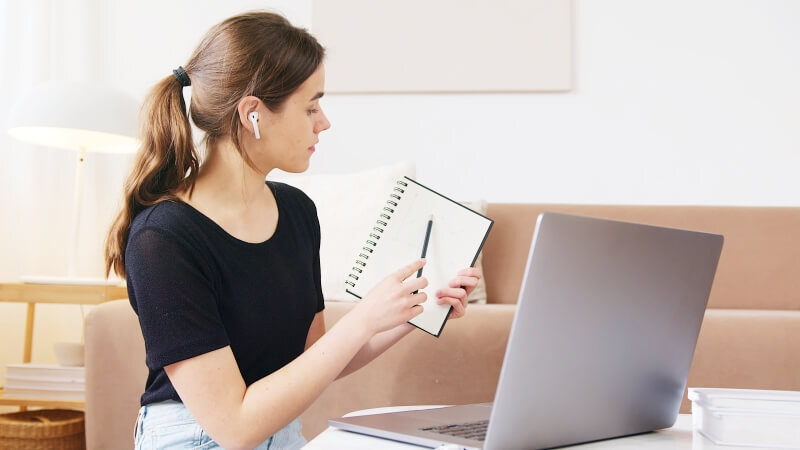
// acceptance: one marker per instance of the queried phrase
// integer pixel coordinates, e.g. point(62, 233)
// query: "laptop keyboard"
point(469, 430)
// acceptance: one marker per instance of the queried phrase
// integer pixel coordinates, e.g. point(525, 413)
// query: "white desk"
point(679, 437)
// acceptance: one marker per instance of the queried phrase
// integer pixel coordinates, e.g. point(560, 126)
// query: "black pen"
point(425, 244)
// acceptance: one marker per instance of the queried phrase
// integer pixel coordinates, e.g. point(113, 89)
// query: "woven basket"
point(50, 429)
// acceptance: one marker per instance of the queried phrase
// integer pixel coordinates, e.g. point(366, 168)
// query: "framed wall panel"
point(445, 45)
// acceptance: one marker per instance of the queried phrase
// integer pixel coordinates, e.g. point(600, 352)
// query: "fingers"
point(453, 292)
point(459, 306)
point(464, 281)
point(455, 297)
point(416, 299)
point(414, 311)
point(471, 272)
point(415, 284)
point(410, 269)
point(412, 295)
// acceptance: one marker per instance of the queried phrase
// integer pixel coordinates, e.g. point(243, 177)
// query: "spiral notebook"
point(396, 239)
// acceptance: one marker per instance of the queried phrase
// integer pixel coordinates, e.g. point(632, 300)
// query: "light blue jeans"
point(168, 425)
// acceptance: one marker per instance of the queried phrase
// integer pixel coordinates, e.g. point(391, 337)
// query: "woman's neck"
point(234, 195)
point(228, 177)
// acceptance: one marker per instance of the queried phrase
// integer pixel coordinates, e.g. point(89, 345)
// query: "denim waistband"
point(165, 424)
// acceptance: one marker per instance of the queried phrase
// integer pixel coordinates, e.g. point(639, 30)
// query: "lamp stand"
point(74, 233)
point(77, 200)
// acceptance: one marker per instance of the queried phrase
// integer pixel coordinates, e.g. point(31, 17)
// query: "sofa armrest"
point(115, 374)
point(462, 366)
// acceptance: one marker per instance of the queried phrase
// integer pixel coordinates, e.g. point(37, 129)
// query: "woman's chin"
point(298, 167)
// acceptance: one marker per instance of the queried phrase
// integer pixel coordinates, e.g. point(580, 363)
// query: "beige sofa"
point(750, 336)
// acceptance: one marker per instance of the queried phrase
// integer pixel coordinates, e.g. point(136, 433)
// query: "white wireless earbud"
point(253, 116)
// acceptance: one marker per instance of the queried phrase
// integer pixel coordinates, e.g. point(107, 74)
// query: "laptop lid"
point(607, 321)
point(600, 346)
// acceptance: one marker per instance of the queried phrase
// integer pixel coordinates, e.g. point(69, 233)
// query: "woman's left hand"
point(458, 290)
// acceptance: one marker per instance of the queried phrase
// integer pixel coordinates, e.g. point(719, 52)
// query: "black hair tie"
point(182, 77)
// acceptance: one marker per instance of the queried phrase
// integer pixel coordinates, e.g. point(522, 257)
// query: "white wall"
point(675, 102)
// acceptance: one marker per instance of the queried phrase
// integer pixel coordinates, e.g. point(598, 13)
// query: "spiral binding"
point(375, 235)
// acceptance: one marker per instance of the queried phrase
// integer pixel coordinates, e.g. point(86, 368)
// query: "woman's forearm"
point(375, 346)
point(240, 417)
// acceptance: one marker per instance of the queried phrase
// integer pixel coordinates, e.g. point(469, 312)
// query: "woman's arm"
point(369, 351)
point(239, 416)
point(377, 345)
point(455, 295)
point(236, 416)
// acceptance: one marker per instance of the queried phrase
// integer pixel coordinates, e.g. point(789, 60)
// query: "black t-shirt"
point(197, 289)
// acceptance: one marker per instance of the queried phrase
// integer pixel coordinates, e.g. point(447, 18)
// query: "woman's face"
point(288, 137)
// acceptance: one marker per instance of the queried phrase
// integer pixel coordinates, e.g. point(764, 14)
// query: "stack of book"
point(46, 381)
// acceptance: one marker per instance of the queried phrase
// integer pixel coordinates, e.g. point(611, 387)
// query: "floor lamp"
point(81, 117)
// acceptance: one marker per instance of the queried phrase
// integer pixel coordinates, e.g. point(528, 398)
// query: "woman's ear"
point(246, 106)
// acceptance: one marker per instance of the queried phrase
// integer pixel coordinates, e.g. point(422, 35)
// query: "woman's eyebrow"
point(317, 96)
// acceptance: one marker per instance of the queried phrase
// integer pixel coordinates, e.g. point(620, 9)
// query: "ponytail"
point(255, 53)
point(166, 163)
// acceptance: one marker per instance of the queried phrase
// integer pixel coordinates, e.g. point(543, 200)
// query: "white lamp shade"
point(77, 116)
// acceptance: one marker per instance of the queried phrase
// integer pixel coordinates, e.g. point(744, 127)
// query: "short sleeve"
point(316, 235)
point(318, 272)
point(311, 224)
point(172, 292)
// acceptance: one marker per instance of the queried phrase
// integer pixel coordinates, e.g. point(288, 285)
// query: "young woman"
point(223, 269)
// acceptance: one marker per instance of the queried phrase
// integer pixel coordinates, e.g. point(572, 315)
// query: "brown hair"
point(257, 53)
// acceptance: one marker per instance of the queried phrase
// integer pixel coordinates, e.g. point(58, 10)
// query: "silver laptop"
point(600, 347)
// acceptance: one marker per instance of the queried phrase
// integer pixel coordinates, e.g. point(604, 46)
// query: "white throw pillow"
point(347, 207)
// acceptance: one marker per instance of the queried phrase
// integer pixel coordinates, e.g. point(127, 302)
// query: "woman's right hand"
point(392, 302)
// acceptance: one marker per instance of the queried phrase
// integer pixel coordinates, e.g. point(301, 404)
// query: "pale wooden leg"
point(26, 351)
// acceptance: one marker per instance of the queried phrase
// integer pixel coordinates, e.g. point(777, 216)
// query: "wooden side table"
point(72, 294)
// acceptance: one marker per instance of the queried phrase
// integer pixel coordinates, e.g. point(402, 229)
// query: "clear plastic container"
point(747, 417)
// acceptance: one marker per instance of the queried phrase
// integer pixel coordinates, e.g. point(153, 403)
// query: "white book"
point(26, 370)
point(53, 379)
point(45, 394)
point(76, 384)
point(456, 237)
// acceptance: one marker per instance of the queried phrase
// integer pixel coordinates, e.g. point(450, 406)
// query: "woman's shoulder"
point(297, 203)
point(164, 215)
point(171, 220)
point(164, 228)
point(287, 192)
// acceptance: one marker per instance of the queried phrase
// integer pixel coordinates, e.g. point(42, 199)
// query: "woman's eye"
point(313, 111)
